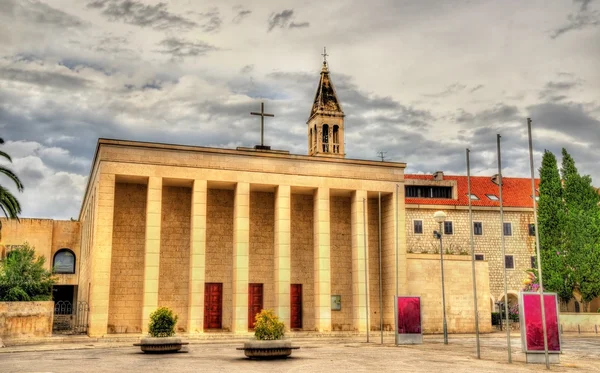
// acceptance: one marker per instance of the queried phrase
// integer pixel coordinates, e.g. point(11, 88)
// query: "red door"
point(296, 306)
point(255, 302)
point(213, 299)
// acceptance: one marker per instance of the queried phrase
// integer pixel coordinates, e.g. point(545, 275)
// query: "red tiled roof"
point(516, 192)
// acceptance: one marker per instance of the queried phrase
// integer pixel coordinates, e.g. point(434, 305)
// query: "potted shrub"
point(268, 342)
point(161, 329)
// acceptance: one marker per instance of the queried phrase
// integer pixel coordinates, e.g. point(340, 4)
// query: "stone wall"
point(520, 244)
point(424, 280)
point(262, 241)
point(587, 322)
point(25, 320)
point(341, 261)
point(173, 282)
point(373, 243)
point(219, 246)
point(127, 259)
point(302, 254)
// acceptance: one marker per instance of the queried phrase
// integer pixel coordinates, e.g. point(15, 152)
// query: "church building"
point(219, 234)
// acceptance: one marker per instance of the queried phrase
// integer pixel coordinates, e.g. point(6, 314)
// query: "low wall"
point(25, 319)
point(424, 280)
point(586, 321)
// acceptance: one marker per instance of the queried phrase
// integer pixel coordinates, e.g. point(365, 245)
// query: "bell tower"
point(325, 124)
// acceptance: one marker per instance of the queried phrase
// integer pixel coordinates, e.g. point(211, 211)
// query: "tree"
point(582, 229)
point(8, 203)
point(23, 276)
point(558, 277)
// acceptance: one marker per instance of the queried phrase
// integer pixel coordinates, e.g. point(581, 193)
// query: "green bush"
point(268, 326)
point(162, 323)
point(23, 277)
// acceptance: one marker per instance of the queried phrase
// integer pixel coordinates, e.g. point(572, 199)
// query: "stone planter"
point(256, 349)
point(160, 345)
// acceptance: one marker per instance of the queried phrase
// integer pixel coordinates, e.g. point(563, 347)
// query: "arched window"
point(310, 141)
point(64, 261)
point(577, 309)
point(336, 139)
point(315, 132)
point(325, 138)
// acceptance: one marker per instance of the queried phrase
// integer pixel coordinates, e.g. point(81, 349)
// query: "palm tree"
point(8, 203)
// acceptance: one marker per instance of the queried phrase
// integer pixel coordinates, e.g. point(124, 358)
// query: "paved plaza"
point(581, 354)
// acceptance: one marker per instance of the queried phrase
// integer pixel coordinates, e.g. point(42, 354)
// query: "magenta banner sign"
point(409, 315)
point(531, 312)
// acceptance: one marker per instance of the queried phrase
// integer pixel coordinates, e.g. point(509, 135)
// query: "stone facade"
point(520, 244)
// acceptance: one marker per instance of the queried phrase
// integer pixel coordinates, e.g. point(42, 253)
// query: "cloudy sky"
point(418, 80)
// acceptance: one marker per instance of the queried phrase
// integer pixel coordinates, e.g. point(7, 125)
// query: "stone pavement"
point(581, 353)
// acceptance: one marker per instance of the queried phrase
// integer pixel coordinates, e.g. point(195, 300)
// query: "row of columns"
point(241, 237)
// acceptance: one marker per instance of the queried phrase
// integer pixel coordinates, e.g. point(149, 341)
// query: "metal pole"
point(380, 279)
point(503, 251)
point(397, 266)
point(473, 257)
point(443, 290)
point(366, 265)
point(537, 245)
point(262, 123)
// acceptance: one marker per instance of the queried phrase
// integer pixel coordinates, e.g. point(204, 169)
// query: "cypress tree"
point(551, 224)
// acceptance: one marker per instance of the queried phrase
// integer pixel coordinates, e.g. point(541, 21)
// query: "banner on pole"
point(410, 330)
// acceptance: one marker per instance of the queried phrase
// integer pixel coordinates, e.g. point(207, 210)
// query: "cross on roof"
point(324, 54)
point(262, 122)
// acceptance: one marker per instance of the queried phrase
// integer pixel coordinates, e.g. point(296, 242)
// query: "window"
point(418, 226)
point(64, 261)
point(478, 228)
point(479, 257)
point(325, 138)
point(533, 262)
point(336, 139)
point(532, 229)
point(493, 197)
point(448, 227)
point(473, 197)
point(424, 191)
point(507, 229)
point(509, 261)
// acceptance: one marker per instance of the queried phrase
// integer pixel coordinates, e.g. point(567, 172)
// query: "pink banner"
point(409, 315)
point(533, 322)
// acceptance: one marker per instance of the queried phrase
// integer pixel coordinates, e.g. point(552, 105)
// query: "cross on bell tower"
point(325, 124)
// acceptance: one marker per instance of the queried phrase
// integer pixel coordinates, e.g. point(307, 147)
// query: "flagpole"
point(380, 277)
point(503, 250)
point(366, 267)
point(473, 257)
point(537, 244)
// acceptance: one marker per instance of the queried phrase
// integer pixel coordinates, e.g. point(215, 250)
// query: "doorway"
point(213, 308)
point(255, 302)
point(296, 306)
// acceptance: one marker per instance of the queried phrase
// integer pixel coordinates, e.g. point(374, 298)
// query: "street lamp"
point(440, 217)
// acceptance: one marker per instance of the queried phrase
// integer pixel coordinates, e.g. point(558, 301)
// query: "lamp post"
point(440, 217)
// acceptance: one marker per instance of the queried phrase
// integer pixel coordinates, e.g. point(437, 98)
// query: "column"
point(100, 256)
point(322, 260)
point(359, 223)
point(282, 254)
point(197, 257)
point(152, 249)
point(241, 239)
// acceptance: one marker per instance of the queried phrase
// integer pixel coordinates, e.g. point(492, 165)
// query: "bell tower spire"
point(325, 124)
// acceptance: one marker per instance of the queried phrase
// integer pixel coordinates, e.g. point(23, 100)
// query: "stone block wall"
point(262, 241)
point(67, 235)
point(302, 254)
point(373, 250)
point(341, 261)
point(173, 270)
point(25, 320)
point(127, 259)
point(219, 246)
point(520, 244)
point(424, 280)
point(84, 265)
